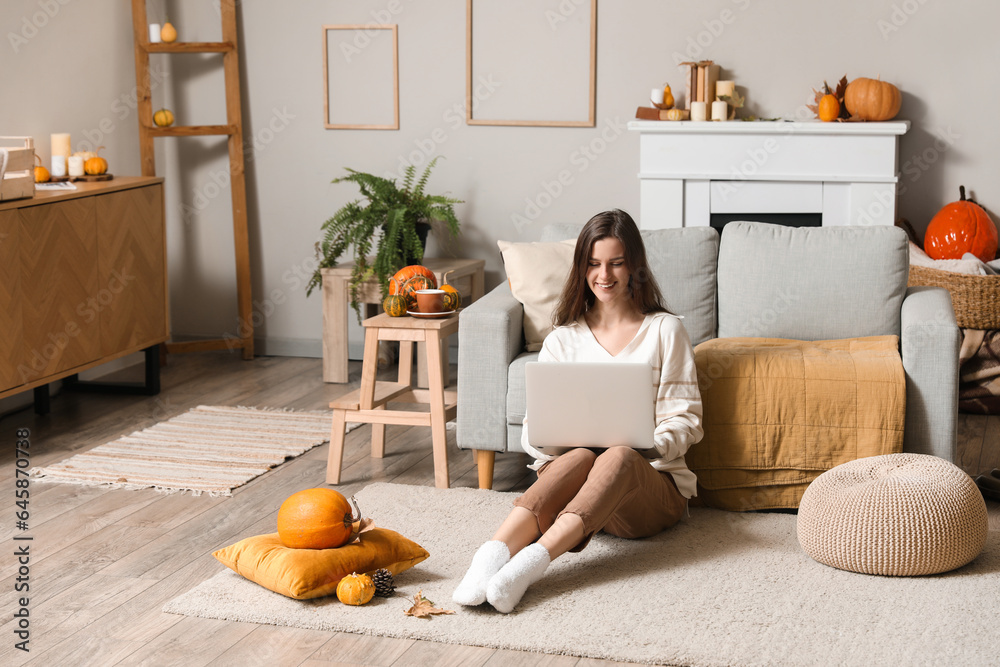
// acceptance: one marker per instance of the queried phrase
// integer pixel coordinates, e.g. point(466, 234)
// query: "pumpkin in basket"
point(960, 227)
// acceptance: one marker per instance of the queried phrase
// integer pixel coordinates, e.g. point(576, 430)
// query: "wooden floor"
point(103, 562)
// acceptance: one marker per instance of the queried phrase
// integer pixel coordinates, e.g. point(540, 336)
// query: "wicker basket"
point(975, 299)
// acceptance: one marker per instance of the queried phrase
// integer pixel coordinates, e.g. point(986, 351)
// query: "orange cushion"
point(311, 573)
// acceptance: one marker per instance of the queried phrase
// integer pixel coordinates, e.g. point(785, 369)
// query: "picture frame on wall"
point(361, 77)
point(545, 77)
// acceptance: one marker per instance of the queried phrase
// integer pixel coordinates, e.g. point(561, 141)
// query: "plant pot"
point(422, 229)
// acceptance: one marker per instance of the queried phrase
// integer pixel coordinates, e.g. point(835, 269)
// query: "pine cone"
point(385, 586)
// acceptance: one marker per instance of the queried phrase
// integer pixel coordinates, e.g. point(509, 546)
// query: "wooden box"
point(17, 168)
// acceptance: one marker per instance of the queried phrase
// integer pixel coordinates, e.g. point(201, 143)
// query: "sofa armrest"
point(929, 344)
point(490, 335)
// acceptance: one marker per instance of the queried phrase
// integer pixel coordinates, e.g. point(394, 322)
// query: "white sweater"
point(663, 343)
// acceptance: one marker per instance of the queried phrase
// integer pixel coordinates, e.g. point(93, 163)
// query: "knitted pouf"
point(898, 514)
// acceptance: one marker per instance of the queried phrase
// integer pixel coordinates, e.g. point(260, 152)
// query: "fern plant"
point(385, 219)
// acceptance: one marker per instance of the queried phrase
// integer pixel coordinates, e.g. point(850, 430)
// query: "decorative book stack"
point(699, 82)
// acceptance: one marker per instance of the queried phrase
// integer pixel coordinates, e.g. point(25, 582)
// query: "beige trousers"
point(616, 491)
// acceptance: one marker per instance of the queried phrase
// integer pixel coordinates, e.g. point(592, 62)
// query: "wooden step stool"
point(367, 405)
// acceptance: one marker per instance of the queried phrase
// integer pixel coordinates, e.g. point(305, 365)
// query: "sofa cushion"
point(537, 273)
point(683, 262)
point(811, 283)
point(778, 413)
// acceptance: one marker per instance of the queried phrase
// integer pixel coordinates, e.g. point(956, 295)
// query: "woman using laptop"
point(610, 310)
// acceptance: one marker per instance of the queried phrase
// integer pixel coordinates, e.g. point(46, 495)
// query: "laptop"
point(576, 404)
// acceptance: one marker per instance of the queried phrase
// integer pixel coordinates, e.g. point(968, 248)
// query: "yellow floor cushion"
point(304, 574)
point(778, 413)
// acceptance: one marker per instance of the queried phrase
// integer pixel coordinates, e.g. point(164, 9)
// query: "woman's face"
point(607, 273)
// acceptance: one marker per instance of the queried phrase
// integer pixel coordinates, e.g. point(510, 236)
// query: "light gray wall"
point(67, 65)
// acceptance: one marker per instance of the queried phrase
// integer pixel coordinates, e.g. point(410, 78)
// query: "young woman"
point(610, 310)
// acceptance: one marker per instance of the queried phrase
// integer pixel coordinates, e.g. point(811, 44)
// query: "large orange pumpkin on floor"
point(316, 519)
point(960, 227)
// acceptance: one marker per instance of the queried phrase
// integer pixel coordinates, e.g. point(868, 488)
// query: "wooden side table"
point(367, 405)
point(466, 276)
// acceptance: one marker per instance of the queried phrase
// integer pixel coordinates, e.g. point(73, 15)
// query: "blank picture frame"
point(546, 77)
point(361, 77)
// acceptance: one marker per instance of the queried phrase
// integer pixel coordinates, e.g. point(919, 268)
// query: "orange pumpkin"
point(960, 227)
point(872, 99)
point(400, 277)
point(356, 589)
point(316, 519)
point(829, 108)
point(410, 287)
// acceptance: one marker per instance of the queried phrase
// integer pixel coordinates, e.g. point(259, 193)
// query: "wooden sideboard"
point(83, 280)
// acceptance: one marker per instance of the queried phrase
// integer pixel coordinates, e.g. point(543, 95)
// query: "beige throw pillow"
point(536, 272)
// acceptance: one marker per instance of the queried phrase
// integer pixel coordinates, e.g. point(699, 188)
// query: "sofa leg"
point(484, 460)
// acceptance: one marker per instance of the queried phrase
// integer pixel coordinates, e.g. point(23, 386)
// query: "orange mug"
point(430, 300)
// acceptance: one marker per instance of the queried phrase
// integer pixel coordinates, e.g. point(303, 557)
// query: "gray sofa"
point(759, 280)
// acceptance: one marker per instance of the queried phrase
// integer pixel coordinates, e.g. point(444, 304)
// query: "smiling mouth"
point(606, 285)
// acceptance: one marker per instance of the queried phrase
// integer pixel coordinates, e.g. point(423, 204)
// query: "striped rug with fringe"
point(208, 449)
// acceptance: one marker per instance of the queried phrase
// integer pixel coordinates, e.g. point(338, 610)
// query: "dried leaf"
point(362, 526)
point(841, 88)
point(424, 608)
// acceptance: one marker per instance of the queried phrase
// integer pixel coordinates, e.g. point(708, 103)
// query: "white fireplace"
point(691, 173)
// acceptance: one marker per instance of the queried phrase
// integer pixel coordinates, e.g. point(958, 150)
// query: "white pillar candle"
point(74, 165)
point(720, 110)
point(698, 110)
point(154, 33)
point(656, 97)
point(724, 88)
point(58, 165)
point(60, 144)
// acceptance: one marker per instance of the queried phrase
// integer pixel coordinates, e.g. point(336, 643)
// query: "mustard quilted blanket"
point(778, 413)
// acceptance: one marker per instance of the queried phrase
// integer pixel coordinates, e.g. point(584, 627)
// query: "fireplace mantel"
point(689, 170)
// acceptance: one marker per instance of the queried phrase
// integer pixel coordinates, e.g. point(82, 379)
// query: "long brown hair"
point(577, 297)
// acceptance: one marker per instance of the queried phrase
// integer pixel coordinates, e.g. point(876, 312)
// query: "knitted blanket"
point(979, 372)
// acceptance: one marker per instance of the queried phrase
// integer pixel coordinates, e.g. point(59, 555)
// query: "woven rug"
point(207, 449)
point(719, 588)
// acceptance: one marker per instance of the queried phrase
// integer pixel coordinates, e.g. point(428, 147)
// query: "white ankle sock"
point(487, 561)
point(509, 584)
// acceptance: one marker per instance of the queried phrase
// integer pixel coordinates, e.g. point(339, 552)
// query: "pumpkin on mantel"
point(872, 99)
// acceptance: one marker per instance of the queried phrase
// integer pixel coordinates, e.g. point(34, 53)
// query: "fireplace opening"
point(720, 220)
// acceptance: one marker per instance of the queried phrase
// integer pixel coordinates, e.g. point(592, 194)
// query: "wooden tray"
point(85, 177)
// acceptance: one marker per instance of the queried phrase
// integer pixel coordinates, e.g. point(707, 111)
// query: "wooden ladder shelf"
point(233, 129)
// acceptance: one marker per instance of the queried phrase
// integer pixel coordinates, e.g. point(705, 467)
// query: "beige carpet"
point(718, 589)
point(205, 450)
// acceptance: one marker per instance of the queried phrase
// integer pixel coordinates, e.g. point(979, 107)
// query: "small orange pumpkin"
point(395, 304)
point(316, 519)
point(41, 173)
point(95, 164)
point(356, 589)
point(960, 227)
point(829, 108)
point(872, 99)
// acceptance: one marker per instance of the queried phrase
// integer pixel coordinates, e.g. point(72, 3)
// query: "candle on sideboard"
point(724, 88)
point(58, 165)
point(60, 144)
point(720, 110)
point(74, 164)
point(698, 111)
